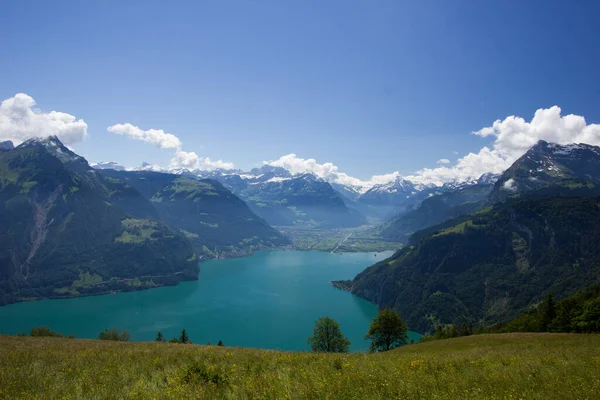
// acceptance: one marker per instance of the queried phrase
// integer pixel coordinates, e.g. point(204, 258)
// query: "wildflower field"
point(500, 366)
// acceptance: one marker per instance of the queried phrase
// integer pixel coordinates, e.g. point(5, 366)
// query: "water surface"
point(268, 300)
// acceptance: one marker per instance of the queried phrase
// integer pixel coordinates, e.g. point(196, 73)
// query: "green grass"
point(507, 366)
point(189, 235)
point(87, 279)
point(136, 230)
point(460, 228)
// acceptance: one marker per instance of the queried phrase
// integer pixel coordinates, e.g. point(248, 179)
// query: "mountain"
point(491, 265)
point(279, 197)
point(63, 232)
point(488, 179)
point(283, 199)
point(349, 193)
point(215, 221)
point(386, 200)
point(6, 145)
point(436, 209)
point(108, 165)
point(144, 166)
point(545, 163)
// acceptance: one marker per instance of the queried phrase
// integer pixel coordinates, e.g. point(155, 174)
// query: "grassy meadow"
point(501, 366)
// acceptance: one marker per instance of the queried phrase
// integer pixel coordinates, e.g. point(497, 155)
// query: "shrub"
point(204, 374)
point(44, 331)
point(114, 334)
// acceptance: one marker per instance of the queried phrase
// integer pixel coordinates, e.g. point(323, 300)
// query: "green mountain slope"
point(63, 233)
point(214, 220)
point(579, 313)
point(490, 265)
point(435, 210)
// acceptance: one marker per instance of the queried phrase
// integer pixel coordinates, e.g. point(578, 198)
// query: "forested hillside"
point(214, 220)
point(491, 265)
point(63, 233)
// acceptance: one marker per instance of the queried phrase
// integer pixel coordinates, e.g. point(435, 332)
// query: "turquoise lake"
point(268, 300)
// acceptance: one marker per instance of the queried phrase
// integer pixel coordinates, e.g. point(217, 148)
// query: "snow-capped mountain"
point(144, 166)
point(488, 179)
point(546, 163)
point(285, 199)
point(386, 200)
point(56, 148)
point(379, 201)
point(108, 165)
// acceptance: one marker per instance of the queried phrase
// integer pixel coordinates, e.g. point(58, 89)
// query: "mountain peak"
point(54, 146)
point(546, 163)
point(145, 166)
point(7, 145)
point(270, 169)
point(52, 141)
point(108, 165)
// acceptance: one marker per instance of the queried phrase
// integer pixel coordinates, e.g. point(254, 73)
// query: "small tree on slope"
point(387, 331)
point(183, 338)
point(327, 337)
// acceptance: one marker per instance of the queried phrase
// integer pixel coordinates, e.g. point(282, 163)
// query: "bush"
point(204, 374)
point(114, 334)
point(44, 331)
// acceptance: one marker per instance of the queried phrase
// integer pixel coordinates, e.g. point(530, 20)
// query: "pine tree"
point(220, 343)
point(183, 338)
point(159, 337)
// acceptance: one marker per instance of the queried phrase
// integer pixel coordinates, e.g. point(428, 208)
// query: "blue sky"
point(371, 86)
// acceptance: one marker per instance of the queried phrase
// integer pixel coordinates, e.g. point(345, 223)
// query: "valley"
point(341, 240)
point(299, 200)
point(478, 251)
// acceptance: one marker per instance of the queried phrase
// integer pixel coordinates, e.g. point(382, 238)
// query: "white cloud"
point(471, 166)
point(512, 138)
point(19, 121)
point(510, 185)
point(328, 171)
point(191, 161)
point(157, 137)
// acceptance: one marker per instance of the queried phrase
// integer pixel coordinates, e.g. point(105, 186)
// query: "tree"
point(114, 334)
point(387, 331)
point(327, 337)
point(159, 337)
point(547, 312)
point(220, 343)
point(183, 338)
